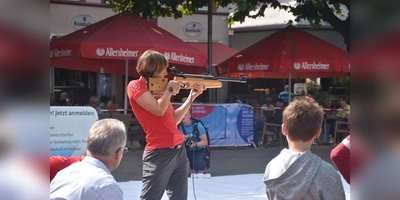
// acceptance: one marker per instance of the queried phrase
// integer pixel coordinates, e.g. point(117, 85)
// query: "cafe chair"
point(341, 127)
point(268, 113)
point(104, 115)
point(265, 133)
point(136, 133)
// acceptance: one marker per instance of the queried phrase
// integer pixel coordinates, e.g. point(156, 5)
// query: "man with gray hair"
point(91, 178)
point(94, 103)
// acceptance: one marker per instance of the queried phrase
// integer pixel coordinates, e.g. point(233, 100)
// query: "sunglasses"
point(125, 149)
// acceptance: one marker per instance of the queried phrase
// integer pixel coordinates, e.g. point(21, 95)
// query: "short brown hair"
point(151, 63)
point(302, 119)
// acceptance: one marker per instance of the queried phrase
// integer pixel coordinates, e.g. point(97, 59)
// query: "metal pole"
point(126, 83)
point(290, 87)
point(230, 37)
point(209, 56)
point(51, 80)
point(209, 45)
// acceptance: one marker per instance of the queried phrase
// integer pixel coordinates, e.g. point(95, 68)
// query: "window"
point(105, 85)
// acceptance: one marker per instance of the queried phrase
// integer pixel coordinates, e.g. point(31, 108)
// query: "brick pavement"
point(224, 161)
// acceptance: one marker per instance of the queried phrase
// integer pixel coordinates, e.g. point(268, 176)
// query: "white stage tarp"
point(237, 187)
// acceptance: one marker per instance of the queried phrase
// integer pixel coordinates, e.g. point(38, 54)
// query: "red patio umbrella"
point(118, 41)
point(287, 50)
point(109, 43)
point(287, 53)
point(220, 52)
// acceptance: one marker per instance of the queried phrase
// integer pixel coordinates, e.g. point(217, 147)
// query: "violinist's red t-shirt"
point(161, 131)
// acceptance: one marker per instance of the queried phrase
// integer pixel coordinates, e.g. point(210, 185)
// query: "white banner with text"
point(69, 128)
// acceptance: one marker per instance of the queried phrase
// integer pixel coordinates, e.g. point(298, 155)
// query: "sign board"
point(193, 29)
point(69, 128)
point(228, 124)
point(300, 89)
point(82, 21)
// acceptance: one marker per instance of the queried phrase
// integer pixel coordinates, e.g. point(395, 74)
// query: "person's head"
point(113, 98)
point(152, 63)
point(286, 87)
point(104, 99)
point(268, 101)
point(279, 102)
point(342, 101)
point(63, 95)
point(52, 99)
point(255, 104)
point(69, 102)
point(186, 118)
point(327, 103)
point(106, 142)
point(94, 101)
point(234, 98)
point(302, 120)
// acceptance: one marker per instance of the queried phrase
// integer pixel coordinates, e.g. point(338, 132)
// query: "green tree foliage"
point(160, 8)
point(340, 82)
point(314, 11)
point(320, 96)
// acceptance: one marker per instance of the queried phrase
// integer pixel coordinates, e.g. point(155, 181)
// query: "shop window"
point(105, 85)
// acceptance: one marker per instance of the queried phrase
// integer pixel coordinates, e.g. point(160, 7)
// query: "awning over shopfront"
point(118, 41)
point(285, 54)
point(114, 45)
point(220, 52)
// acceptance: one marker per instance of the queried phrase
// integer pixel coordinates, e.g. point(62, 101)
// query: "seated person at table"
point(279, 107)
point(94, 103)
point(112, 104)
point(63, 97)
point(277, 118)
point(258, 121)
point(268, 104)
point(296, 173)
point(345, 113)
point(330, 117)
point(53, 100)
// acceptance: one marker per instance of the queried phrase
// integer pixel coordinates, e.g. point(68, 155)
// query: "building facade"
point(68, 16)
